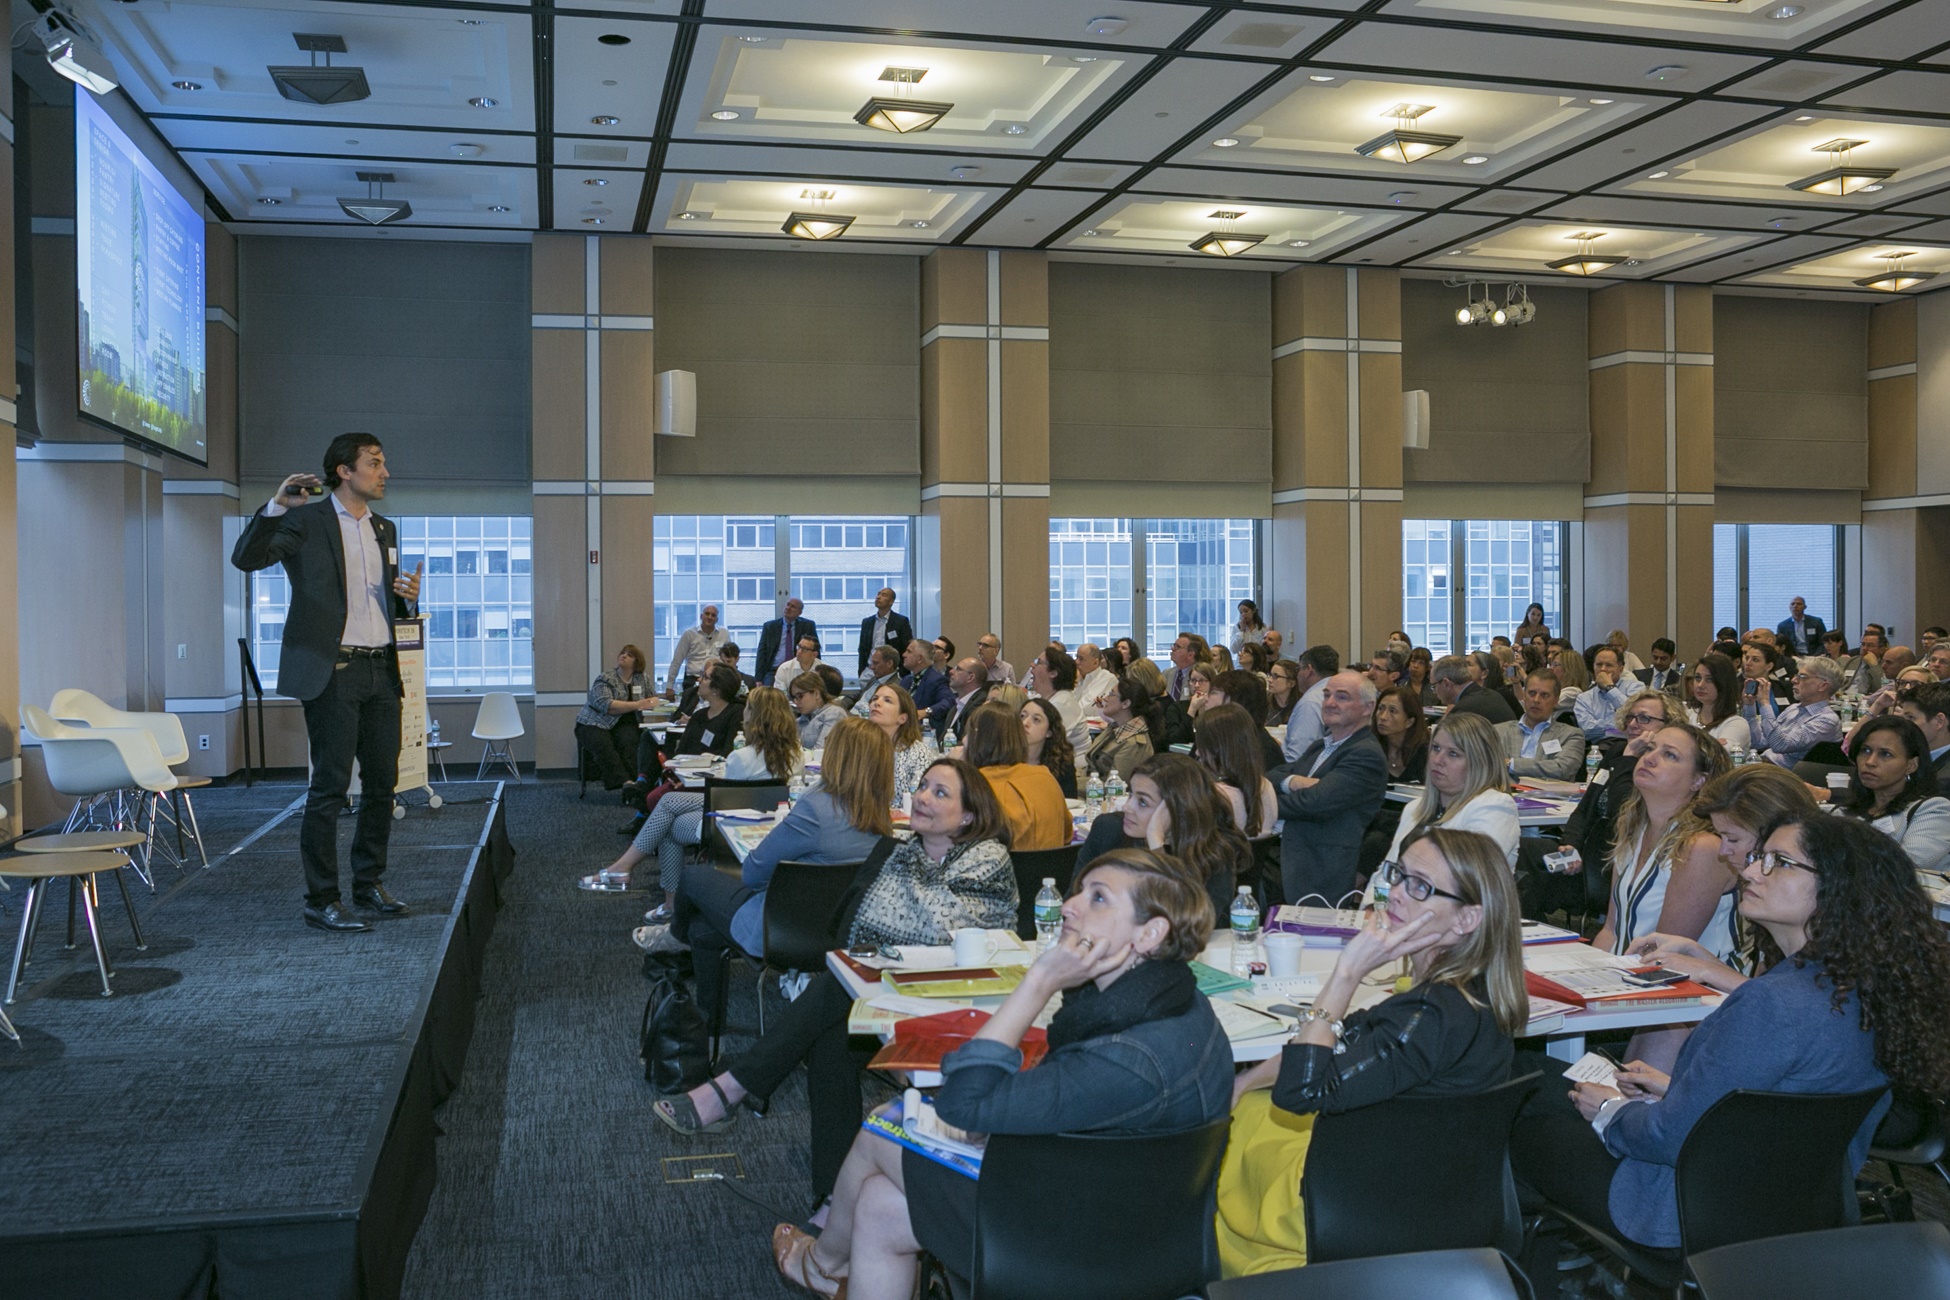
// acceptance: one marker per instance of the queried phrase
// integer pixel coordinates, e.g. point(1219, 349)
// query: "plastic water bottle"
point(948, 740)
point(1591, 760)
point(1114, 793)
point(433, 731)
point(1093, 795)
point(738, 741)
point(1245, 931)
point(1049, 913)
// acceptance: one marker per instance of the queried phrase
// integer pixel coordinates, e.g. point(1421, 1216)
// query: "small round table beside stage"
point(79, 857)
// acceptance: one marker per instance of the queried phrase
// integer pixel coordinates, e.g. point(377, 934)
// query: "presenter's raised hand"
point(295, 491)
point(408, 584)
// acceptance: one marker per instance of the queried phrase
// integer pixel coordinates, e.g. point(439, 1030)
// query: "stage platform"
point(251, 1115)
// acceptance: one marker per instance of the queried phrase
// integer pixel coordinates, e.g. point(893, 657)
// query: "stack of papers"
point(1593, 1068)
point(1536, 932)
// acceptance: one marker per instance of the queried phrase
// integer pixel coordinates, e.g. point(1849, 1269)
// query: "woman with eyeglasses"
point(1893, 788)
point(1716, 696)
point(1468, 787)
point(1851, 999)
point(1282, 691)
point(1451, 910)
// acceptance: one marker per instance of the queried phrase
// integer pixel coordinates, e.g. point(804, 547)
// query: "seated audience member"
point(944, 654)
point(967, 692)
point(1252, 659)
point(1009, 695)
point(838, 820)
point(1420, 665)
point(1611, 685)
point(1467, 789)
point(1590, 828)
point(606, 728)
point(1739, 805)
point(1537, 745)
point(1451, 910)
point(1860, 672)
point(1174, 807)
point(1129, 649)
point(1928, 707)
point(1282, 692)
point(1222, 659)
point(1046, 745)
point(1895, 659)
point(806, 660)
point(1275, 643)
point(1031, 800)
point(1759, 663)
point(1202, 674)
point(711, 729)
point(1174, 726)
point(1664, 673)
point(1716, 693)
point(1096, 679)
point(883, 668)
point(1229, 750)
point(1129, 734)
point(1054, 678)
point(1894, 790)
point(1403, 730)
point(893, 710)
point(1330, 793)
point(1387, 667)
point(1134, 1049)
point(677, 822)
point(1851, 999)
point(954, 873)
point(1788, 734)
point(728, 654)
point(1187, 650)
point(1249, 693)
point(1303, 725)
point(1457, 689)
point(818, 715)
point(1028, 682)
point(1932, 635)
point(1623, 644)
point(1486, 670)
point(927, 684)
point(1940, 660)
point(1567, 665)
point(988, 649)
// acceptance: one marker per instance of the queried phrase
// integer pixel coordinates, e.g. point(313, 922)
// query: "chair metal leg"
point(134, 925)
point(74, 887)
point(7, 1028)
point(91, 896)
point(36, 899)
point(196, 832)
point(22, 944)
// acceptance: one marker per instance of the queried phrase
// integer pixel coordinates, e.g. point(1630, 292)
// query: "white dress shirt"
point(365, 580)
point(1097, 686)
point(789, 672)
point(695, 649)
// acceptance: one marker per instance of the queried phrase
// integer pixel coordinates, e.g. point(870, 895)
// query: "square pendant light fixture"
point(899, 115)
point(1895, 279)
point(375, 209)
point(816, 224)
point(1843, 178)
point(1586, 262)
point(1403, 145)
point(1226, 243)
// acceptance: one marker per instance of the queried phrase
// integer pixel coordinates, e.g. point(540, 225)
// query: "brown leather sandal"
point(792, 1252)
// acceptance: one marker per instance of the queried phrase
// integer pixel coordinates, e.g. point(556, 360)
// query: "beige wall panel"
point(76, 522)
point(561, 589)
point(1692, 319)
point(1381, 574)
point(1645, 562)
point(1627, 317)
point(1695, 537)
point(1932, 574)
point(284, 734)
point(1379, 297)
point(1892, 334)
point(954, 289)
point(1025, 412)
point(1309, 302)
point(1693, 391)
point(1323, 427)
point(1025, 576)
point(629, 404)
point(1025, 289)
point(7, 277)
point(1933, 393)
point(558, 279)
point(1611, 423)
point(624, 284)
point(1607, 582)
point(628, 574)
point(554, 739)
point(965, 569)
point(220, 262)
point(1289, 391)
point(1889, 572)
point(560, 404)
point(1381, 417)
point(203, 614)
point(220, 349)
point(1892, 437)
point(954, 420)
point(1325, 620)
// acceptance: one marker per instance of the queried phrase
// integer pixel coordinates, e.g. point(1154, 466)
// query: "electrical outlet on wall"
point(203, 742)
point(182, 650)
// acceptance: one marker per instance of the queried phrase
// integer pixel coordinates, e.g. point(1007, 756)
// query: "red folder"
point(1683, 993)
point(920, 1043)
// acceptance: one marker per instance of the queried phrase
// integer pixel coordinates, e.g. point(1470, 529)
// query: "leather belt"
point(347, 653)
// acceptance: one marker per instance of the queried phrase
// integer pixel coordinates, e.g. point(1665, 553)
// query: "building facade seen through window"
point(1150, 579)
point(1504, 565)
point(1759, 568)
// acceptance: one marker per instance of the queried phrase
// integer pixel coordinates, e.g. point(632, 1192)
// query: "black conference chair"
point(1038, 1238)
point(1446, 1184)
point(801, 923)
point(1757, 1164)
point(1907, 1260)
point(1031, 870)
point(1480, 1274)
point(1912, 1133)
point(721, 795)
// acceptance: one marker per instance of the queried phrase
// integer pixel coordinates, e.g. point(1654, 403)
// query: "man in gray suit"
point(1330, 793)
point(1536, 744)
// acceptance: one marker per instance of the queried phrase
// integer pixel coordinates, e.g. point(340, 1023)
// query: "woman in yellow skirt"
point(1450, 907)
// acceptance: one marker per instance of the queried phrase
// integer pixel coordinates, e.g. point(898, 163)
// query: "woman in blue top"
point(1852, 1000)
point(1134, 1049)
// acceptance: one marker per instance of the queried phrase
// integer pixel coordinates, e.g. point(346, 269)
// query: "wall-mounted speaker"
point(1415, 419)
point(677, 403)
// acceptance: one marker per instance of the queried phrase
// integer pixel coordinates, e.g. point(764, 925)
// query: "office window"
point(837, 565)
point(722, 560)
point(476, 595)
point(1150, 578)
point(1502, 564)
point(1759, 568)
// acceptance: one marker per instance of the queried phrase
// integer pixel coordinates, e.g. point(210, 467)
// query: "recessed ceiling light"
point(609, 83)
point(1659, 176)
point(1401, 196)
point(753, 40)
point(1224, 142)
point(352, 142)
point(1092, 233)
point(1455, 252)
point(687, 216)
point(726, 115)
point(1108, 26)
point(1597, 101)
point(187, 85)
point(1476, 158)
point(1784, 11)
point(596, 180)
point(1805, 118)
point(466, 150)
point(1014, 128)
point(469, 22)
point(1319, 76)
point(1298, 243)
point(499, 207)
point(613, 38)
point(918, 225)
point(1083, 58)
point(604, 119)
point(1872, 189)
point(483, 101)
point(270, 203)
point(1667, 72)
point(964, 171)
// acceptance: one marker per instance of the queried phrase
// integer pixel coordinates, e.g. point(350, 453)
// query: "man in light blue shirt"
point(1303, 725)
point(1789, 734)
point(1598, 704)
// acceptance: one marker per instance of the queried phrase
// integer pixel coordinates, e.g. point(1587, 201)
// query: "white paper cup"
point(1282, 955)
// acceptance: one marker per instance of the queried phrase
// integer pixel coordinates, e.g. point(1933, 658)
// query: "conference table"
point(1540, 804)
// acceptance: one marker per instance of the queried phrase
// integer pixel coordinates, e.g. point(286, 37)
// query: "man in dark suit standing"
point(342, 559)
point(1801, 632)
point(1330, 793)
point(778, 640)
point(884, 627)
point(1459, 693)
point(968, 682)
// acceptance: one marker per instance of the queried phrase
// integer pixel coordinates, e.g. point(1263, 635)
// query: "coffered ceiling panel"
point(1749, 22)
point(1914, 92)
point(1643, 145)
point(708, 206)
point(1841, 270)
point(1520, 57)
point(1178, 99)
point(1267, 231)
point(1325, 191)
point(1528, 248)
point(1045, 22)
point(1901, 33)
point(1763, 165)
point(1746, 261)
point(765, 159)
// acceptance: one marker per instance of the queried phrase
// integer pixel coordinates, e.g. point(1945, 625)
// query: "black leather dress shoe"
point(333, 916)
point(374, 898)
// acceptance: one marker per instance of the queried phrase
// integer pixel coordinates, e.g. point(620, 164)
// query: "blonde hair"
point(773, 730)
point(1571, 670)
point(1710, 761)
point(1147, 674)
point(1483, 762)
point(1010, 694)
point(1493, 951)
point(857, 770)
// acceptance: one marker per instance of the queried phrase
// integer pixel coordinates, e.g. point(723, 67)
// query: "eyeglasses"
point(1769, 860)
point(1417, 887)
point(1645, 719)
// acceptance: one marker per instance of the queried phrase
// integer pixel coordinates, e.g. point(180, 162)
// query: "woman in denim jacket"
point(1134, 1049)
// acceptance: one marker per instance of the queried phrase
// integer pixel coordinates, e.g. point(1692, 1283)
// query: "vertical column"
point(1648, 509)
point(594, 468)
point(984, 535)
point(1335, 572)
point(1906, 511)
point(10, 764)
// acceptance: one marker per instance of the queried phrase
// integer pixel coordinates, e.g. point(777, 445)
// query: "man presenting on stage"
point(342, 559)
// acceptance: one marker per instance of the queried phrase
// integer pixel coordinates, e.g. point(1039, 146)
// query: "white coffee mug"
point(973, 947)
point(1282, 955)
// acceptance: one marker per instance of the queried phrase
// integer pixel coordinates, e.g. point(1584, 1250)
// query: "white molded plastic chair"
point(98, 765)
point(497, 723)
point(166, 729)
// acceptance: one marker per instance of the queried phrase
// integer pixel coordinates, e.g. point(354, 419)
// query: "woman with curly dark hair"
point(1047, 745)
point(1851, 999)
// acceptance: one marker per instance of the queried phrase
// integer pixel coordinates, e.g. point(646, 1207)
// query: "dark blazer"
point(1321, 839)
point(1942, 770)
point(1675, 675)
point(929, 687)
point(306, 540)
point(1784, 633)
point(768, 643)
point(946, 716)
point(899, 633)
point(1487, 704)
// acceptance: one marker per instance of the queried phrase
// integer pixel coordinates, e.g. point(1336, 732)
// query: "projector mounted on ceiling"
point(73, 52)
point(316, 85)
point(374, 209)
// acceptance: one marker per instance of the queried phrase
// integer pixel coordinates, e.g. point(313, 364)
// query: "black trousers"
point(611, 750)
point(707, 899)
point(812, 1029)
point(356, 715)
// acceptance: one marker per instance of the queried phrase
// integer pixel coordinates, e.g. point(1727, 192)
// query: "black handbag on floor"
point(671, 1038)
